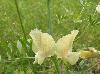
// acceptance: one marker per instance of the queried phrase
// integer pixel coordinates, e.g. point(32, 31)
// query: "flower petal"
point(39, 58)
point(64, 44)
point(47, 43)
point(36, 37)
point(72, 57)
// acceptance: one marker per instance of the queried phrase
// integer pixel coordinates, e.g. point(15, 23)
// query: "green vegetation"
point(58, 18)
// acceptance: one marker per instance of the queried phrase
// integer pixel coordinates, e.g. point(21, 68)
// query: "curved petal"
point(41, 41)
point(47, 43)
point(64, 44)
point(36, 37)
point(39, 58)
point(72, 57)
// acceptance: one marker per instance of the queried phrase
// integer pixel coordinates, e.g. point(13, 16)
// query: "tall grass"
point(50, 26)
point(21, 23)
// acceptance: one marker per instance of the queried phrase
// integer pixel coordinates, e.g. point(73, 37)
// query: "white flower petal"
point(36, 37)
point(47, 42)
point(39, 58)
point(64, 44)
point(72, 57)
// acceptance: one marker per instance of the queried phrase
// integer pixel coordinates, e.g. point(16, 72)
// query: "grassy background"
point(66, 15)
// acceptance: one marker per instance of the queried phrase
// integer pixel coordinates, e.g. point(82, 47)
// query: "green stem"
point(23, 30)
point(93, 66)
point(50, 26)
point(67, 67)
point(54, 59)
point(16, 59)
point(18, 12)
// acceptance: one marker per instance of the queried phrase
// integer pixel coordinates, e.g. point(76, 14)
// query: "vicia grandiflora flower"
point(45, 46)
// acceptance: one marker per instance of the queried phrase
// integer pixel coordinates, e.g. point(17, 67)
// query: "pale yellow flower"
point(43, 45)
point(64, 48)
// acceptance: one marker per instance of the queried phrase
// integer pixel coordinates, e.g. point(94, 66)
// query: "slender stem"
point(62, 68)
point(93, 66)
point(16, 59)
point(54, 59)
point(18, 12)
point(66, 67)
point(50, 26)
point(21, 23)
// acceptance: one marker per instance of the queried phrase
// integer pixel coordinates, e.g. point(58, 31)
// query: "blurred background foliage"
point(66, 15)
